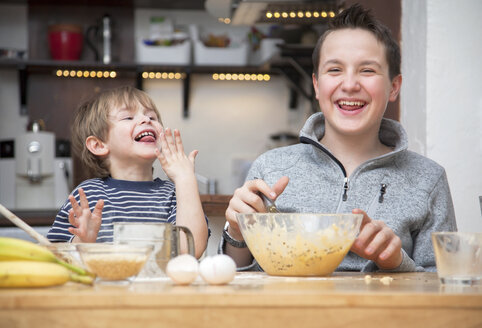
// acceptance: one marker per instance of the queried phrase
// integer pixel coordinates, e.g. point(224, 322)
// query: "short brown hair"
point(92, 119)
point(358, 17)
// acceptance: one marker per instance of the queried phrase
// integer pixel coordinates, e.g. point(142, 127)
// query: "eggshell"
point(183, 269)
point(218, 269)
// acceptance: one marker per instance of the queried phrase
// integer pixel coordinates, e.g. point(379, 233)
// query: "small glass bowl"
point(66, 252)
point(112, 262)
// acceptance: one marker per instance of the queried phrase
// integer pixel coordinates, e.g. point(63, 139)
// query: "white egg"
point(183, 269)
point(218, 269)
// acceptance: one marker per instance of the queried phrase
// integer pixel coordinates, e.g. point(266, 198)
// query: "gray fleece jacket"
point(409, 192)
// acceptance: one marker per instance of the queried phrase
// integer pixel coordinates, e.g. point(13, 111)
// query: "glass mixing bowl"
point(299, 244)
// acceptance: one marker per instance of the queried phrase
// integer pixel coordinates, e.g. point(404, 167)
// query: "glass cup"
point(165, 238)
point(458, 256)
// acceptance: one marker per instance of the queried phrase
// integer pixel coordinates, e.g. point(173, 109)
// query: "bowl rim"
point(113, 248)
point(301, 213)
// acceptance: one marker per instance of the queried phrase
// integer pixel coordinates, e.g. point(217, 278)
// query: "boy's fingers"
point(280, 185)
point(164, 146)
point(393, 246)
point(192, 156)
point(72, 218)
point(379, 240)
point(75, 206)
point(74, 231)
point(272, 193)
point(170, 139)
point(366, 219)
point(178, 140)
point(97, 212)
point(83, 199)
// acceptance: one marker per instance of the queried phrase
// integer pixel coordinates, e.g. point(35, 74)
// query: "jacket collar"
point(391, 132)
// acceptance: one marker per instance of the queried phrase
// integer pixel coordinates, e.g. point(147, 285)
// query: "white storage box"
point(164, 55)
point(212, 56)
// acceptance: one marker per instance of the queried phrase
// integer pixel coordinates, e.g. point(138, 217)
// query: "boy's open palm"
point(86, 223)
point(174, 161)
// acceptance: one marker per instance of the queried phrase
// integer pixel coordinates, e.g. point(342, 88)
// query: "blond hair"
point(92, 119)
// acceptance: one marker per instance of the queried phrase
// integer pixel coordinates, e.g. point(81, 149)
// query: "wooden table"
point(251, 300)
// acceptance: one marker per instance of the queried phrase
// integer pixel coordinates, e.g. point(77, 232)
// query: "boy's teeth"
point(351, 103)
point(144, 134)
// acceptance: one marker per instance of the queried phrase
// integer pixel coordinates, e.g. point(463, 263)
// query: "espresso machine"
point(34, 169)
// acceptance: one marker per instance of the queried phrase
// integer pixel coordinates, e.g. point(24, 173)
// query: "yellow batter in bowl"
point(299, 244)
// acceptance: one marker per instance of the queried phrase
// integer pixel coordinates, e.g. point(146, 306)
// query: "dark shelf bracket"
point(23, 77)
point(297, 76)
point(185, 97)
point(293, 99)
point(139, 80)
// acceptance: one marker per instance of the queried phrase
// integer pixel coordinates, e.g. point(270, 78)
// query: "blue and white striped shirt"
point(124, 201)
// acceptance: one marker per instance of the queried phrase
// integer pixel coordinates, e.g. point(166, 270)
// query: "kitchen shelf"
point(26, 67)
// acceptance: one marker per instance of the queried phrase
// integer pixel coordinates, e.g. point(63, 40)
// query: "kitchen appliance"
point(7, 173)
point(34, 168)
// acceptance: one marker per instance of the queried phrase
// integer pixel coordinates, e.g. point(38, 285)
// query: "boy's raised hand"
point(378, 243)
point(174, 161)
point(86, 223)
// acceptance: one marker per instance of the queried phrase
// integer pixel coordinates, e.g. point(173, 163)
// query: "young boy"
point(351, 159)
point(118, 135)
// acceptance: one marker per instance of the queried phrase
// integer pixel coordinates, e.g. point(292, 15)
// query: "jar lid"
point(74, 28)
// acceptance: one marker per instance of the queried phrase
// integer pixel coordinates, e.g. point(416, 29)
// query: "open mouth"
point(146, 136)
point(351, 105)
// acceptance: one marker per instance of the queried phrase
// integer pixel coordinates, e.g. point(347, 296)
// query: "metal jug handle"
point(189, 237)
point(90, 36)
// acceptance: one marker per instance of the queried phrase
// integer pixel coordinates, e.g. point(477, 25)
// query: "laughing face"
point(133, 136)
point(353, 85)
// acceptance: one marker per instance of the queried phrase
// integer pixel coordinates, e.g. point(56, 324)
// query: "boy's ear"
point(96, 146)
point(315, 84)
point(396, 85)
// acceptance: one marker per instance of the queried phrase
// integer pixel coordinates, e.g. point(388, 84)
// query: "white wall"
point(13, 35)
point(228, 120)
point(441, 97)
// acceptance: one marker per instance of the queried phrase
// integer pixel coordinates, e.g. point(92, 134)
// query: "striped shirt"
point(124, 201)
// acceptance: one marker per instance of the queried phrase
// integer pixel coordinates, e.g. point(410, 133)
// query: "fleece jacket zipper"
point(344, 196)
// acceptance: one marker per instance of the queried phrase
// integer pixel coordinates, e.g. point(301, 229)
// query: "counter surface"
point(251, 300)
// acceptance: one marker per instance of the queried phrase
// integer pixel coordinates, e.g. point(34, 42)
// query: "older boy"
point(118, 134)
point(352, 159)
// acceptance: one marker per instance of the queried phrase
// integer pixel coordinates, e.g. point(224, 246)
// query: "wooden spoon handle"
point(24, 226)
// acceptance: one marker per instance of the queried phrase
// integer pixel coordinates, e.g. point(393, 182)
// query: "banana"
point(37, 274)
point(13, 249)
point(32, 274)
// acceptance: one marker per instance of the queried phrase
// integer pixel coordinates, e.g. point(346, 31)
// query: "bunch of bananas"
point(25, 264)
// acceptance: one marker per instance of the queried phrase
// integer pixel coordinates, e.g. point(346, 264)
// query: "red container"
point(65, 41)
